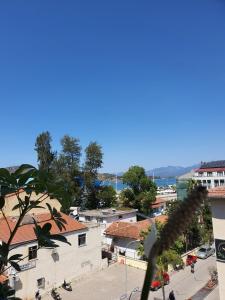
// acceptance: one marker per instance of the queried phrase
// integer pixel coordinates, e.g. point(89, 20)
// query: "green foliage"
point(78, 185)
point(169, 257)
point(141, 192)
point(192, 183)
point(134, 177)
point(44, 151)
point(107, 196)
point(66, 169)
point(127, 198)
point(33, 182)
point(93, 161)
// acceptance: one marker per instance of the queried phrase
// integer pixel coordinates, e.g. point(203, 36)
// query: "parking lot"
point(110, 284)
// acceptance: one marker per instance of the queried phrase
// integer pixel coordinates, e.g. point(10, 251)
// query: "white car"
point(205, 251)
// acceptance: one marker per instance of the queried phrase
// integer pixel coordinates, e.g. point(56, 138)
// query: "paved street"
point(109, 284)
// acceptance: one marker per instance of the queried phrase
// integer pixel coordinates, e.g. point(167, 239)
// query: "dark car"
point(157, 282)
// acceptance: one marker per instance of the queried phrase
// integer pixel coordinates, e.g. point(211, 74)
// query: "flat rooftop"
point(107, 212)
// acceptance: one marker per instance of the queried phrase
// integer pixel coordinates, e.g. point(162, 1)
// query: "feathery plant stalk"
point(175, 226)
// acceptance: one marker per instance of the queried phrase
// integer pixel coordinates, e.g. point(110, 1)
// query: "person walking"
point(192, 268)
point(172, 296)
point(37, 295)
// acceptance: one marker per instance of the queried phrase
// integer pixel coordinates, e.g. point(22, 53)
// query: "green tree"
point(45, 155)
point(135, 178)
point(141, 192)
point(93, 162)
point(66, 170)
point(33, 182)
point(107, 196)
point(127, 198)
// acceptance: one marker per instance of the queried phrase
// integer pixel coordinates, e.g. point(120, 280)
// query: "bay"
point(162, 182)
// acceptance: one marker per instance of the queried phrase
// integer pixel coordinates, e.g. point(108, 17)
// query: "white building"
point(211, 174)
point(46, 268)
point(123, 238)
point(105, 217)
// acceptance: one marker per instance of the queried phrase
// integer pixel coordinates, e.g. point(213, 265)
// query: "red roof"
point(210, 170)
point(131, 230)
point(217, 192)
point(158, 202)
point(26, 233)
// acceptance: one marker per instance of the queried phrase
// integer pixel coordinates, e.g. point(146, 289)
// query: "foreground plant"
point(178, 221)
point(38, 186)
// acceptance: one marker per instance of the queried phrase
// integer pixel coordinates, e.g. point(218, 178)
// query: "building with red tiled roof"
point(125, 237)
point(45, 268)
point(26, 233)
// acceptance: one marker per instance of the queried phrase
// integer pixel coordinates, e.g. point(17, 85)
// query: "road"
point(109, 284)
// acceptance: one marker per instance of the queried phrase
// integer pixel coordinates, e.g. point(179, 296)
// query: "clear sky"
point(145, 79)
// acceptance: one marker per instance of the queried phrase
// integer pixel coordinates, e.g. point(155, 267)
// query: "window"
point(41, 283)
point(82, 239)
point(32, 252)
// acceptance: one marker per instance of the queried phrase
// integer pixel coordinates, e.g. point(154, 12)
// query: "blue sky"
point(145, 79)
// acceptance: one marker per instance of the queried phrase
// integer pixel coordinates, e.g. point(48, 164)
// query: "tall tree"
point(66, 169)
point(71, 152)
point(93, 161)
point(141, 192)
point(45, 155)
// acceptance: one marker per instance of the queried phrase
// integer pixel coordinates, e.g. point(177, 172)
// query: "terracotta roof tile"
point(26, 233)
point(131, 230)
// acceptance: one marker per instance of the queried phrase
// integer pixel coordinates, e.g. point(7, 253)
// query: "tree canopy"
point(79, 184)
point(45, 155)
point(141, 192)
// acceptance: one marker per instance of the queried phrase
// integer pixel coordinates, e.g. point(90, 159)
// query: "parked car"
point(191, 259)
point(205, 251)
point(156, 283)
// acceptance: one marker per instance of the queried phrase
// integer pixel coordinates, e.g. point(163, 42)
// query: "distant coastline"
point(160, 182)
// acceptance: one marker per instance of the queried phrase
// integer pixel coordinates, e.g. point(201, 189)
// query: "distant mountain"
point(171, 171)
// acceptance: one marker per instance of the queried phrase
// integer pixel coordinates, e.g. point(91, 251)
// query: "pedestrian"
point(37, 295)
point(172, 296)
point(192, 267)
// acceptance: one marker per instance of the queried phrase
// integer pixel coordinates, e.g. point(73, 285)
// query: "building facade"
point(11, 200)
point(46, 268)
point(124, 238)
point(217, 199)
point(211, 174)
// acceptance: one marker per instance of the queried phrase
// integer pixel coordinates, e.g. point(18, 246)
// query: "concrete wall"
point(70, 263)
point(218, 214)
point(11, 201)
point(139, 264)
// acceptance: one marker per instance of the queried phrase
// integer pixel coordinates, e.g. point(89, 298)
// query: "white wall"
point(218, 214)
point(124, 245)
point(72, 262)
